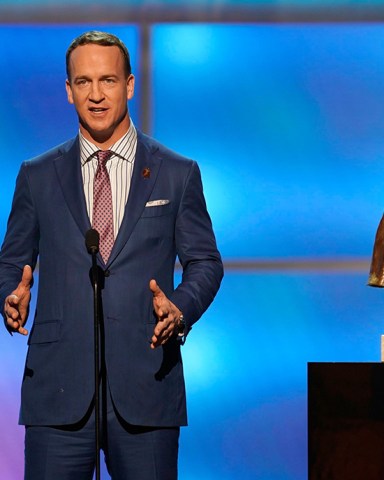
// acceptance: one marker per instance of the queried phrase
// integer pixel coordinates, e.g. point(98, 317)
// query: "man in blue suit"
point(159, 213)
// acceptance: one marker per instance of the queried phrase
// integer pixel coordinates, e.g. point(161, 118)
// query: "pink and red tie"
point(102, 205)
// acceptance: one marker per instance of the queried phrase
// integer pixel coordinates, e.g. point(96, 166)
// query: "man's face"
point(99, 90)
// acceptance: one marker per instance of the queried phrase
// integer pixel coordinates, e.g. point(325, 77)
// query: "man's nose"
point(96, 92)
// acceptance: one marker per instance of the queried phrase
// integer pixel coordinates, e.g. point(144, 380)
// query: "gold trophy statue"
point(376, 272)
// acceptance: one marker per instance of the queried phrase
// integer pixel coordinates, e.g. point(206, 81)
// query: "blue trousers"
point(131, 452)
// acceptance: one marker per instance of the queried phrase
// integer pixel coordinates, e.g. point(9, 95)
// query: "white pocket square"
point(156, 203)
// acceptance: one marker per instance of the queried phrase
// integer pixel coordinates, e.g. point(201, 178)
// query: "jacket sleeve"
point(197, 252)
point(20, 246)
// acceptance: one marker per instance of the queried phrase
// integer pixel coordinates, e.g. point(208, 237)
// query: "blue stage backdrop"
point(286, 121)
point(199, 4)
point(287, 126)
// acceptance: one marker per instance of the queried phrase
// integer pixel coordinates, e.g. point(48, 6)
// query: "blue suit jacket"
point(48, 221)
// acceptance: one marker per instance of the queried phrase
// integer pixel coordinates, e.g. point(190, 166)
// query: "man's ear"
point(130, 86)
point(69, 91)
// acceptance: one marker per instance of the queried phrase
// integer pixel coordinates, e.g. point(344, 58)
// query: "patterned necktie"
point(102, 205)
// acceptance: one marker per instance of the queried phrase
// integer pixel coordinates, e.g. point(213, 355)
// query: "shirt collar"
point(124, 148)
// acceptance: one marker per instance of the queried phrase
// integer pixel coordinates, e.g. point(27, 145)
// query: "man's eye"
point(109, 80)
point(81, 82)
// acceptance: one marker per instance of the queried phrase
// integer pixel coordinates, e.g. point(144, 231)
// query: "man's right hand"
point(16, 306)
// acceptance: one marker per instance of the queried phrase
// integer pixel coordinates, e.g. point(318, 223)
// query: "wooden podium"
point(346, 421)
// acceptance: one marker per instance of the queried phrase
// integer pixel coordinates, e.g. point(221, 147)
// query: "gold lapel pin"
point(146, 172)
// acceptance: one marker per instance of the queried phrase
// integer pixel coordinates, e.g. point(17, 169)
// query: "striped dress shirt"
point(120, 168)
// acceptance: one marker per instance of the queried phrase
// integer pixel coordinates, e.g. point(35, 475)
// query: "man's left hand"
point(167, 314)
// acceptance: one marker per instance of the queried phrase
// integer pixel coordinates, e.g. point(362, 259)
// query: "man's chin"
point(100, 133)
point(97, 134)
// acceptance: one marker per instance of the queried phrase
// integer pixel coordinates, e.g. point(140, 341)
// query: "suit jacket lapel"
point(145, 172)
point(68, 170)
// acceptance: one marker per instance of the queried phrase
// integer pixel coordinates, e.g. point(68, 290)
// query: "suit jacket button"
point(107, 273)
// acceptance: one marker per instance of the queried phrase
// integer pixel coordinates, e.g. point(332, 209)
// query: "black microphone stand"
point(92, 243)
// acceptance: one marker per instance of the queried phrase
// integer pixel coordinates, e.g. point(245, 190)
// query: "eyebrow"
point(87, 77)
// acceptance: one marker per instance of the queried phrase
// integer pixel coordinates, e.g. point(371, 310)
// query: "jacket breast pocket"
point(157, 211)
point(47, 332)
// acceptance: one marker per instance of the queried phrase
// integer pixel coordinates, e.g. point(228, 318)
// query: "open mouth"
point(97, 110)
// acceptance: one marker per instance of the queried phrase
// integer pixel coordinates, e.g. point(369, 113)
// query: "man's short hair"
point(99, 38)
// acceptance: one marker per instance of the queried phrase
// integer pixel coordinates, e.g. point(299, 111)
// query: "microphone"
point(92, 239)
